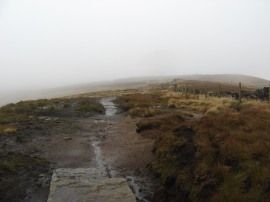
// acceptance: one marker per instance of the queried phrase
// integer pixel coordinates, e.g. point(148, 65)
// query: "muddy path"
point(119, 151)
point(106, 141)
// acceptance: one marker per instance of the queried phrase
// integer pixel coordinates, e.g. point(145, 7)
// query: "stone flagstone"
point(88, 185)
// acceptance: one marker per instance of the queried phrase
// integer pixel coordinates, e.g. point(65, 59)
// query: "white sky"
point(50, 43)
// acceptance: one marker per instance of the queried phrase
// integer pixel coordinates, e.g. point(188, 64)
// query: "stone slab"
point(88, 185)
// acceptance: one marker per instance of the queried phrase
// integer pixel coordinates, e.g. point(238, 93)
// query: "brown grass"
point(14, 116)
point(231, 160)
point(233, 150)
point(201, 105)
point(155, 127)
point(143, 105)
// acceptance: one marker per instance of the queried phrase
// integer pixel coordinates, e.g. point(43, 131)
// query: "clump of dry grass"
point(7, 129)
point(143, 105)
point(206, 106)
point(87, 105)
point(143, 112)
point(155, 127)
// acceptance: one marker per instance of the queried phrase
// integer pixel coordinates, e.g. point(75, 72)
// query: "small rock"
point(67, 138)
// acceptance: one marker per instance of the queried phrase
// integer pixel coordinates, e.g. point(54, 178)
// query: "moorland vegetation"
point(207, 148)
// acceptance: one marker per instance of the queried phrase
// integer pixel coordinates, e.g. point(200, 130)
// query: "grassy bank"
point(14, 116)
point(223, 156)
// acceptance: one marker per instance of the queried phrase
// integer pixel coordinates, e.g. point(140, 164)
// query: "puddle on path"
point(110, 110)
point(101, 166)
point(109, 106)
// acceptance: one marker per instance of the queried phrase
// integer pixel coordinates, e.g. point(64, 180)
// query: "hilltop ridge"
point(134, 82)
point(249, 81)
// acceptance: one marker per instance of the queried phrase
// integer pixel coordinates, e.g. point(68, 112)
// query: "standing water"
point(110, 110)
point(109, 106)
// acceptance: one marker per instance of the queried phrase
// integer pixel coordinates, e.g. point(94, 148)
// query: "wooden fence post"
point(219, 88)
point(240, 92)
point(185, 90)
point(269, 93)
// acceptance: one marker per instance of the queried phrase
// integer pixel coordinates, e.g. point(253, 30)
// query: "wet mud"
point(108, 142)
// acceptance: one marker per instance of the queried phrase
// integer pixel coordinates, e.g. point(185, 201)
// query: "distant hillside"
point(248, 81)
point(135, 82)
point(230, 79)
point(16, 96)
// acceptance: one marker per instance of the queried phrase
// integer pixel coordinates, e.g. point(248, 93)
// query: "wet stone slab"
point(88, 185)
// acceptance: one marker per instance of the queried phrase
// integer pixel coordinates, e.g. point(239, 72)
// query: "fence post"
point(269, 93)
point(219, 88)
point(185, 90)
point(240, 92)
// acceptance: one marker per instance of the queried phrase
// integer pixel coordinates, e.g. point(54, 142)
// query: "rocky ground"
point(105, 141)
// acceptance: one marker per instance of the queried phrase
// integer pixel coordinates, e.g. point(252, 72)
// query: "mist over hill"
point(232, 79)
point(248, 81)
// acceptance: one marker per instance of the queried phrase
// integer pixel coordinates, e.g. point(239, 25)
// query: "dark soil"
point(68, 135)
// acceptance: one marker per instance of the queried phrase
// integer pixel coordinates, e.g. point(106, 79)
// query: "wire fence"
point(262, 94)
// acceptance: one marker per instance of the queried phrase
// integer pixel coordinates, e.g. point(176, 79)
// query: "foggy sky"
point(52, 43)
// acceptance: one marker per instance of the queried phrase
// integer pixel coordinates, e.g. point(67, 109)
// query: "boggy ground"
point(207, 149)
point(39, 136)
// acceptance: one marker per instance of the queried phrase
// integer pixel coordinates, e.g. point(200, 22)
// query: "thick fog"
point(53, 43)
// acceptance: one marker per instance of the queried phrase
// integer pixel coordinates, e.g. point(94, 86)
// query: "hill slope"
point(248, 81)
point(135, 82)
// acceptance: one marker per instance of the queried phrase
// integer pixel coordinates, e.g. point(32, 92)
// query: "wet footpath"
point(117, 170)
